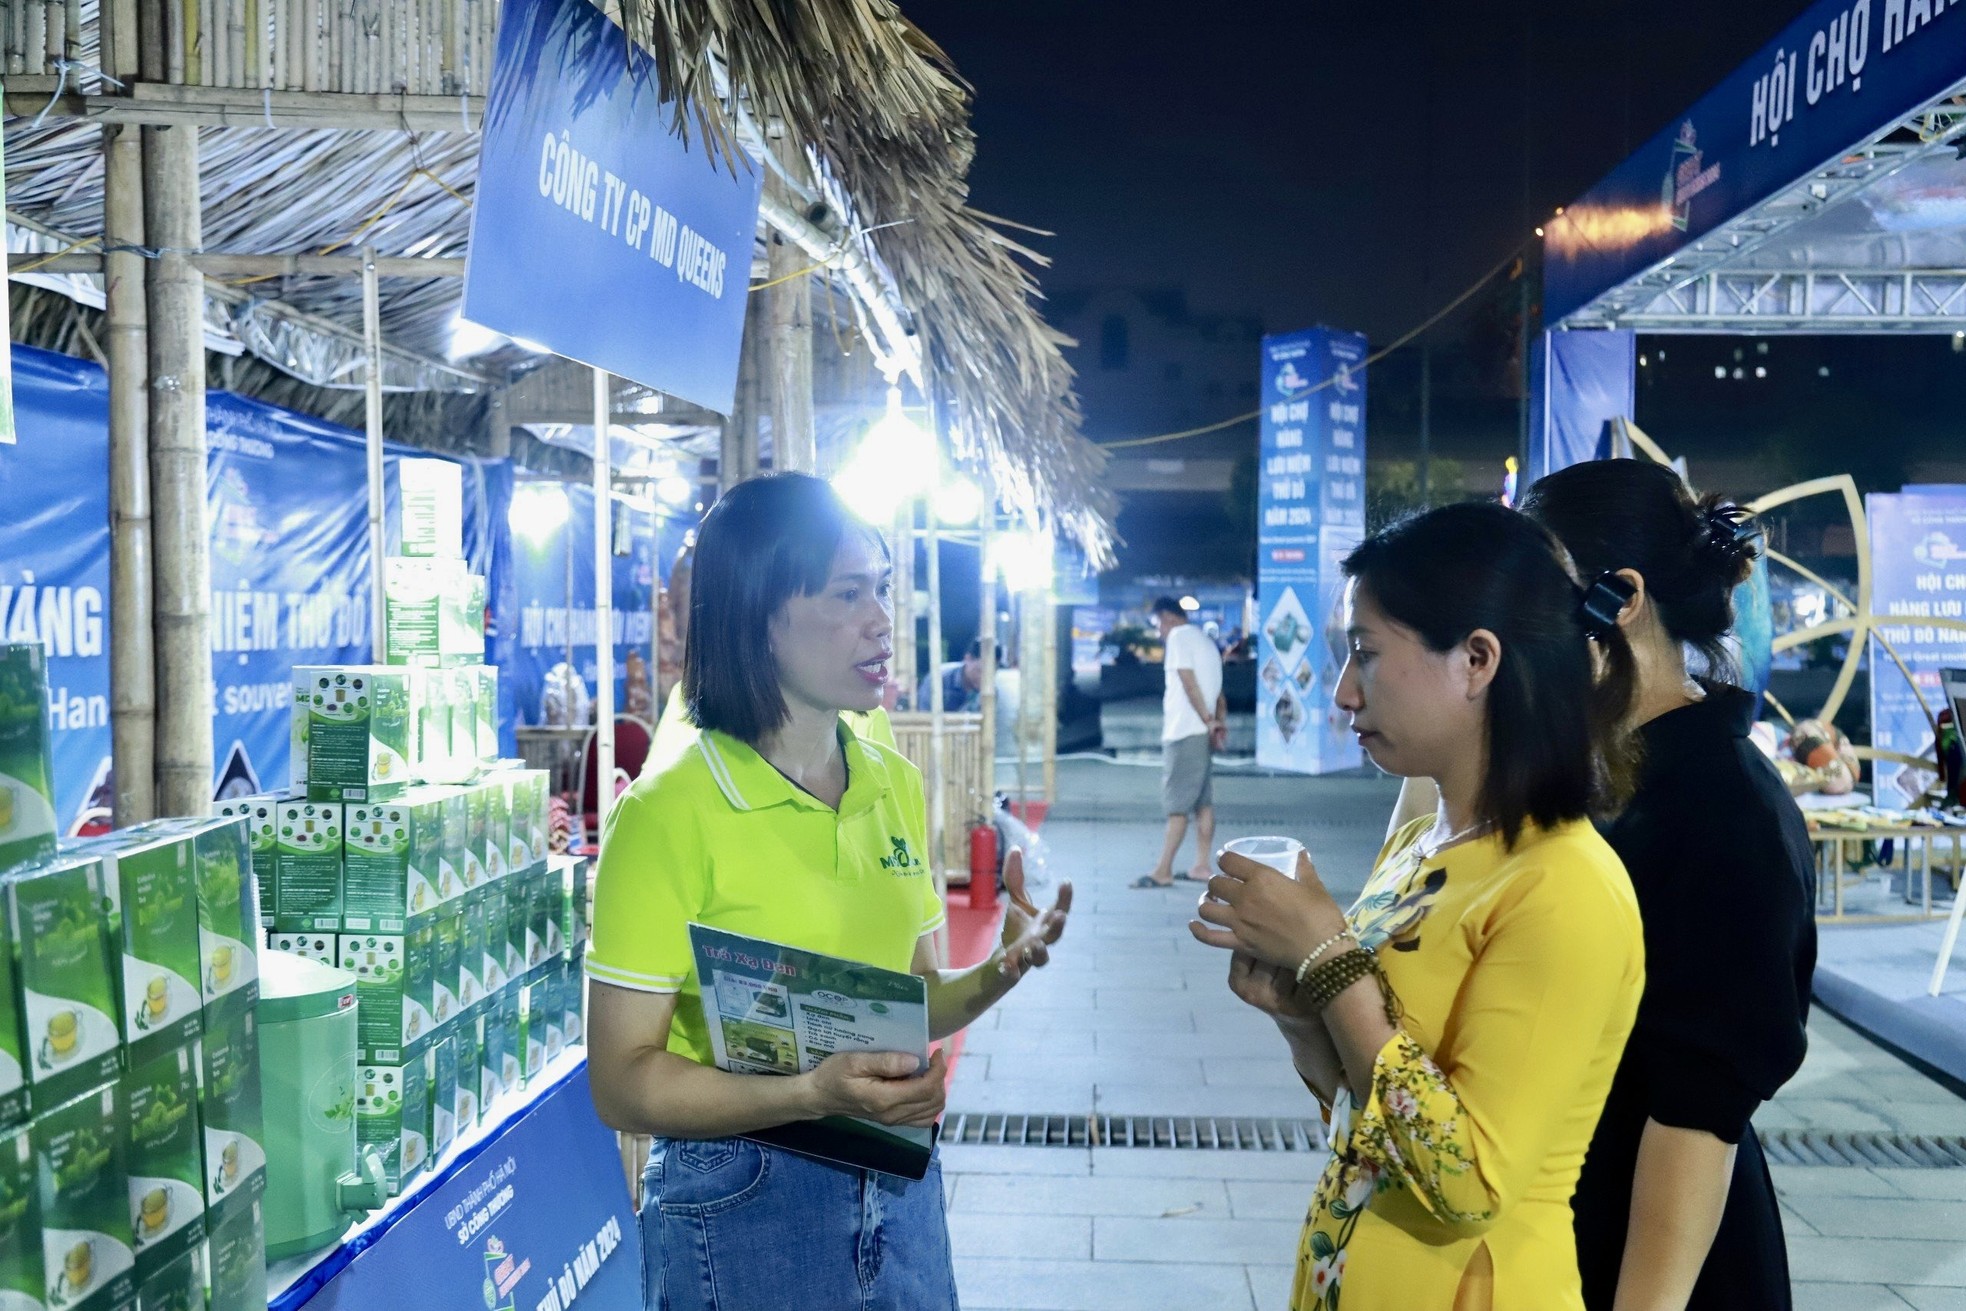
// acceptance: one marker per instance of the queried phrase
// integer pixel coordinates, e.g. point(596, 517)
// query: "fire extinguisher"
point(983, 866)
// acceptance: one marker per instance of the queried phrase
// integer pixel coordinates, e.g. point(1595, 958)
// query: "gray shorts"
point(1187, 775)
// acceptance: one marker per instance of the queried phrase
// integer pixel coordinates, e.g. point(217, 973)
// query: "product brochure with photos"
point(774, 1009)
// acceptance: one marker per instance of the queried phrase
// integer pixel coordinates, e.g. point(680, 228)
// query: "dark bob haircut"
point(1557, 748)
point(763, 543)
point(1691, 551)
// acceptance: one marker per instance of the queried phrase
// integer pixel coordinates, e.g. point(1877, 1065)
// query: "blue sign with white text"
point(1918, 574)
point(597, 231)
point(1310, 504)
point(1834, 78)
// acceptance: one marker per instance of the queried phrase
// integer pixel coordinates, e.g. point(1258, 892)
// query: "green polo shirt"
point(722, 838)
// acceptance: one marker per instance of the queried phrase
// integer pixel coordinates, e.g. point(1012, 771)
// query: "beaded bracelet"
point(1335, 976)
point(1319, 950)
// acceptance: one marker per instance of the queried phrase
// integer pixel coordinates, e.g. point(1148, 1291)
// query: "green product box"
point(447, 940)
point(492, 963)
point(431, 497)
point(534, 1000)
point(413, 593)
point(314, 946)
point(391, 1103)
point(570, 900)
point(498, 829)
point(470, 952)
point(66, 973)
point(492, 1040)
point(539, 917)
point(469, 1040)
point(518, 829)
point(486, 677)
point(13, 1046)
point(518, 921)
point(393, 991)
point(309, 877)
point(27, 806)
point(463, 687)
point(150, 886)
point(235, 1257)
point(361, 733)
point(178, 1286)
point(262, 816)
point(440, 1078)
point(87, 1257)
point(432, 697)
point(511, 1051)
point(228, 911)
point(165, 1152)
point(575, 998)
point(554, 1007)
point(393, 862)
point(461, 618)
point(21, 1288)
point(477, 827)
point(300, 717)
point(454, 852)
point(229, 1107)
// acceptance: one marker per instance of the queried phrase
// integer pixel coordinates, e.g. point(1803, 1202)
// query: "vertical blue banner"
point(591, 214)
point(1578, 382)
point(1310, 505)
point(1918, 574)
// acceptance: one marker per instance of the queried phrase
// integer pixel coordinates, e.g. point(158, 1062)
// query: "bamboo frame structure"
point(372, 431)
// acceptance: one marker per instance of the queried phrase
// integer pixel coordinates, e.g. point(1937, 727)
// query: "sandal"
point(1149, 881)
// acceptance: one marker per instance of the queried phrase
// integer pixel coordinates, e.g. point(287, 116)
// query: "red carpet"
point(972, 937)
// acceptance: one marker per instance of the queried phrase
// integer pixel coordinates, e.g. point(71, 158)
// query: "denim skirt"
point(732, 1225)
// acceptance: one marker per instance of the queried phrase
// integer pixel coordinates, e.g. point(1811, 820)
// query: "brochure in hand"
point(774, 1009)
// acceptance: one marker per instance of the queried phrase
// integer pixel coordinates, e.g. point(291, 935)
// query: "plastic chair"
point(632, 739)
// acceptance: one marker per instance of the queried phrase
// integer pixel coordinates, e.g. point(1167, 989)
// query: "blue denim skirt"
point(731, 1225)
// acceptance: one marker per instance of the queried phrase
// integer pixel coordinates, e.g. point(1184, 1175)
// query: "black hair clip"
point(1601, 604)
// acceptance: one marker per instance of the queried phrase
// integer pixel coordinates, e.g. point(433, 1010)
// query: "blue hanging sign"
point(1834, 78)
point(1918, 574)
point(597, 231)
point(1310, 505)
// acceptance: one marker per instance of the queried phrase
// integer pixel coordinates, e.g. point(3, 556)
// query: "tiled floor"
point(1134, 1018)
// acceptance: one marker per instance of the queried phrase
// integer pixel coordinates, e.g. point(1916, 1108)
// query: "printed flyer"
point(774, 1009)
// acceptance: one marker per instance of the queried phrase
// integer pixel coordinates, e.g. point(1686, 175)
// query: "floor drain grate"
point(1895, 1150)
point(1192, 1132)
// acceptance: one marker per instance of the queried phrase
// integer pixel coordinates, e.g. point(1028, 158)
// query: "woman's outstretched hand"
point(1272, 917)
point(1029, 933)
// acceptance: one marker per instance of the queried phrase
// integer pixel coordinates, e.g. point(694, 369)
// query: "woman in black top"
point(1675, 1208)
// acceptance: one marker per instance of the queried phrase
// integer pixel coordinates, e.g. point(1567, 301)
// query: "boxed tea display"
point(390, 1108)
point(13, 1047)
point(414, 593)
point(314, 946)
point(470, 951)
point(486, 677)
point(164, 1152)
point(477, 828)
point(300, 716)
point(361, 733)
point(555, 1007)
point(431, 496)
point(150, 886)
point(262, 816)
point(539, 917)
point(574, 997)
point(21, 1288)
point(570, 904)
point(534, 999)
point(511, 1051)
point(393, 991)
point(393, 869)
point(27, 805)
point(178, 1286)
point(432, 697)
point(67, 975)
point(228, 912)
point(87, 1261)
point(461, 618)
point(235, 1257)
point(446, 937)
point(308, 877)
point(498, 829)
point(440, 1079)
point(463, 690)
point(518, 922)
point(229, 1109)
point(468, 1040)
point(492, 1042)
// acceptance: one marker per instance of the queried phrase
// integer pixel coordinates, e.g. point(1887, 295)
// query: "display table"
point(1829, 842)
point(526, 1212)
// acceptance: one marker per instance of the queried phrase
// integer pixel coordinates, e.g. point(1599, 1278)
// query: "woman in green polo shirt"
point(780, 824)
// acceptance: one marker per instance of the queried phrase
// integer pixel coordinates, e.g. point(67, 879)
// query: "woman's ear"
point(1481, 651)
point(1635, 608)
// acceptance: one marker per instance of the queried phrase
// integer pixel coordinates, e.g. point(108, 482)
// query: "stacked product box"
point(66, 974)
point(360, 732)
point(165, 1154)
point(88, 1246)
point(262, 816)
point(308, 862)
point(14, 1052)
point(21, 1284)
point(233, 1119)
point(27, 807)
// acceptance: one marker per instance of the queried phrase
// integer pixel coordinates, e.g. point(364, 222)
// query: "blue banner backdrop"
point(1918, 572)
point(1578, 382)
point(1310, 504)
point(1833, 78)
point(597, 231)
point(290, 555)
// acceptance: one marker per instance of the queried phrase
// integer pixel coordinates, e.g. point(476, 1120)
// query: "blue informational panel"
point(597, 231)
point(538, 1220)
point(1578, 382)
point(1834, 78)
point(1311, 512)
point(288, 516)
point(1918, 573)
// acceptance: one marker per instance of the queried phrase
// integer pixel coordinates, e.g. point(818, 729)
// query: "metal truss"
point(1817, 300)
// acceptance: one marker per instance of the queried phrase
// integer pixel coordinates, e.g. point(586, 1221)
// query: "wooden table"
point(1830, 859)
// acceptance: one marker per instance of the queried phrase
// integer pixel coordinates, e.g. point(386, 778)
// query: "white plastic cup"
point(1279, 853)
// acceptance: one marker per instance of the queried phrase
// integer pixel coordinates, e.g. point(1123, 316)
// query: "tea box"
point(511, 1050)
point(228, 911)
point(308, 876)
point(13, 1047)
point(440, 1103)
point(462, 688)
point(165, 1154)
point(393, 870)
point(150, 882)
point(518, 923)
point(230, 1110)
point(470, 952)
point(486, 678)
point(461, 618)
point(431, 694)
point(65, 972)
point(314, 946)
point(570, 873)
point(262, 816)
point(574, 997)
point(300, 716)
point(492, 1043)
point(431, 496)
point(413, 593)
point(394, 989)
point(534, 998)
point(27, 798)
point(390, 1109)
point(468, 1039)
point(235, 1257)
point(477, 828)
point(87, 1257)
point(21, 1287)
point(553, 1005)
point(361, 733)
point(498, 829)
point(176, 1286)
point(446, 939)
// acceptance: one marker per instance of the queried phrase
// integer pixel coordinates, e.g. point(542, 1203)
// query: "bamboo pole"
point(182, 578)
point(132, 670)
point(788, 313)
point(986, 632)
point(603, 603)
point(938, 754)
point(372, 340)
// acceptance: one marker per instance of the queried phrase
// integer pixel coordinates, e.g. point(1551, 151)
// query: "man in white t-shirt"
point(1194, 725)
